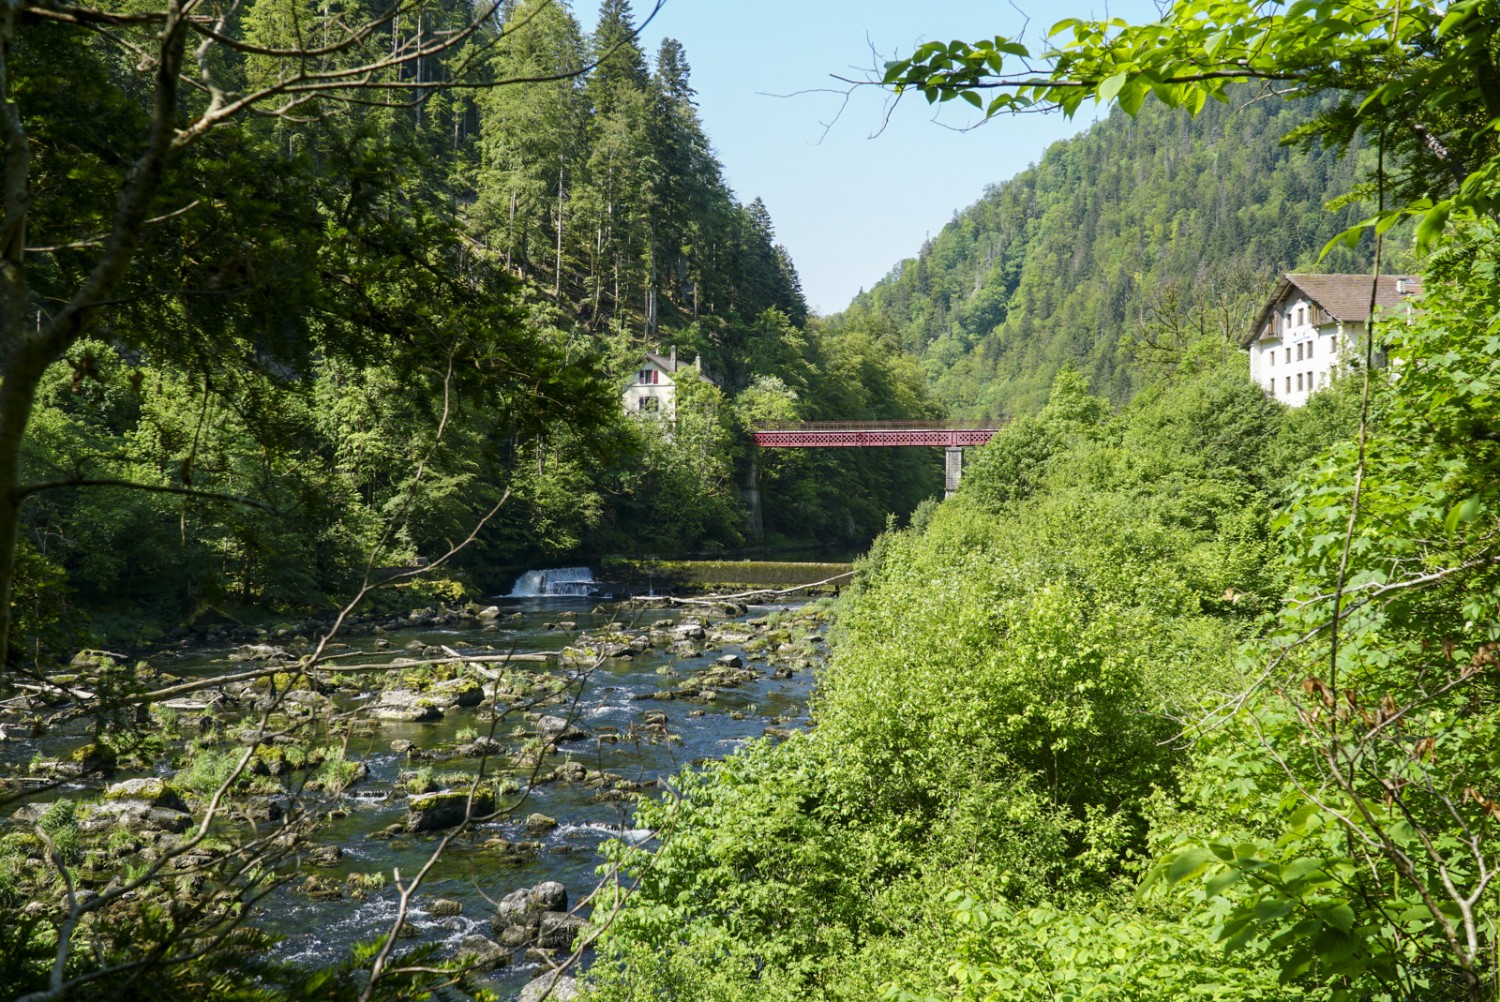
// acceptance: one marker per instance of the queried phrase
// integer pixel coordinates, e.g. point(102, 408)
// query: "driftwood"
point(293, 666)
point(759, 594)
point(55, 687)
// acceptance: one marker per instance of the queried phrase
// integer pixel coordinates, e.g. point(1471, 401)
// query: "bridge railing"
point(991, 424)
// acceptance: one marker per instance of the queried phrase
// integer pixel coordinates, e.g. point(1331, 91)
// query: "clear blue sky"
point(849, 204)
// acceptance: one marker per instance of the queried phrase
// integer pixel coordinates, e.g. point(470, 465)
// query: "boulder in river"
point(524, 908)
point(482, 953)
point(406, 705)
point(558, 930)
point(455, 692)
point(153, 791)
point(325, 855)
point(428, 812)
point(136, 815)
point(559, 729)
point(551, 987)
point(540, 824)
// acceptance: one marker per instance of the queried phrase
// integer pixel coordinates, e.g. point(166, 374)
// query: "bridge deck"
point(874, 434)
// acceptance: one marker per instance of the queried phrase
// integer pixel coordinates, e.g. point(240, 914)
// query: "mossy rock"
point(151, 790)
point(436, 811)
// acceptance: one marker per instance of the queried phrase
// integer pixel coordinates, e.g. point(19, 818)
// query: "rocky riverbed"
point(542, 721)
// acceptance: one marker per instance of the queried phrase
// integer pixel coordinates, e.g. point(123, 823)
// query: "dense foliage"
point(384, 321)
point(1085, 734)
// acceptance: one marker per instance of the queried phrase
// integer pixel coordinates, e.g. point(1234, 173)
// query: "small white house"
point(654, 388)
point(1312, 323)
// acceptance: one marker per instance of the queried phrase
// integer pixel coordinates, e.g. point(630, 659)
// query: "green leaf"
point(1111, 86)
point(1186, 864)
point(1465, 511)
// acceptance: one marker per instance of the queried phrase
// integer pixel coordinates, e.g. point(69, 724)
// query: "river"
point(614, 701)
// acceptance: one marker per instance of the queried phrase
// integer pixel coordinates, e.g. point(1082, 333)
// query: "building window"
point(1301, 316)
point(1272, 354)
point(1288, 353)
point(1289, 384)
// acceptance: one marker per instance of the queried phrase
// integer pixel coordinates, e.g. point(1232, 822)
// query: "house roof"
point(672, 365)
point(1346, 298)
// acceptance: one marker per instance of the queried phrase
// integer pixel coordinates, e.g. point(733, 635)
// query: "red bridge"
point(873, 434)
point(950, 436)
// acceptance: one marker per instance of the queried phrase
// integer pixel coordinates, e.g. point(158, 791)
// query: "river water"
point(613, 703)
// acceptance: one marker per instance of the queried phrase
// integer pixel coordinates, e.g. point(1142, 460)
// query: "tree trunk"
point(23, 373)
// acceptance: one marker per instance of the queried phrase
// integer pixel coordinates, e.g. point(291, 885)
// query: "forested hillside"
point(355, 327)
point(1158, 212)
point(1191, 696)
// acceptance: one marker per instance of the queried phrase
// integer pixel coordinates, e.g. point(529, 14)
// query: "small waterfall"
point(554, 582)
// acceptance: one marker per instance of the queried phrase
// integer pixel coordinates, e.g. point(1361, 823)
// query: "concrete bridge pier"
point(953, 469)
point(751, 494)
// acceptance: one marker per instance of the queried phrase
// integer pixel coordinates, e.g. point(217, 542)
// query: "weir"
point(558, 581)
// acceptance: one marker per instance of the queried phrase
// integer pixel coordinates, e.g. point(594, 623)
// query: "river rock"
point(570, 772)
point(482, 953)
point(731, 661)
point(690, 631)
point(558, 729)
point(444, 907)
point(539, 824)
point(550, 987)
point(524, 908)
point(137, 815)
point(325, 855)
point(94, 757)
point(456, 692)
point(152, 791)
point(406, 705)
point(427, 812)
point(492, 612)
point(558, 930)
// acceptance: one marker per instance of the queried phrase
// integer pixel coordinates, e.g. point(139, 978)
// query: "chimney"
point(1401, 289)
point(674, 358)
point(698, 364)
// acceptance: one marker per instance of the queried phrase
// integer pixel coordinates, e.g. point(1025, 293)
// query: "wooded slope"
point(1057, 264)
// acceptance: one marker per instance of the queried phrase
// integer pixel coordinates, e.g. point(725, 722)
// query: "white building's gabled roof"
point(1345, 298)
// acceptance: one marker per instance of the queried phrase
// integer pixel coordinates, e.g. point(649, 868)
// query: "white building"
point(1312, 323)
point(654, 388)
